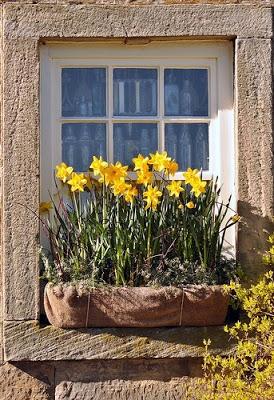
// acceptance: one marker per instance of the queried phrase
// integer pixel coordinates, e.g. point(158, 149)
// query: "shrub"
point(248, 373)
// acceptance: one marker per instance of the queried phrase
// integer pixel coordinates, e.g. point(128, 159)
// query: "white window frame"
point(215, 56)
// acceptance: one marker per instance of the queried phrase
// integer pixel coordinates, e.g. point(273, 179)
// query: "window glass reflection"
point(188, 144)
point(82, 141)
point(186, 92)
point(134, 91)
point(83, 92)
point(132, 139)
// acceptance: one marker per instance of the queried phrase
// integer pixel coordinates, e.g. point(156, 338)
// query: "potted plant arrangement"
point(136, 248)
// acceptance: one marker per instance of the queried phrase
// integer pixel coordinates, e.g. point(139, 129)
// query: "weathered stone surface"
point(87, 21)
point(26, 382)
point(120, 390)
point(125, 379)
point(21, 179)
point(255, 147)
point(28, 341)
point(262, 3)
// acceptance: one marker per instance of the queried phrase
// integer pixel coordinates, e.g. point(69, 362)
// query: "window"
point(118, 112)
point(117, 100)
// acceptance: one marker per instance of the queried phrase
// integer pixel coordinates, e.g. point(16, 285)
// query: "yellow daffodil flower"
point(98, 165)
point(63, 172)
point(144, 177)
point(114, 172)
point(119, 187)
point(190, 204)
point(45, 207)
point(77, 182)
point(235, 218)
point(130, 193)
point(171, 167)
point(180, 206)
point(140, 162)
point(151, 197)
point(159, 160)
point(190, 175)
point(198, 187)
point(175, 188)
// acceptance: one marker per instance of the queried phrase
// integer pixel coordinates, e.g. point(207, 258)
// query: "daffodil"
point(45, 206)
point(130, 193)
point(171, 167)
point(151, 197)
point(77, 182)
point(63, 172)
point(140, 162)
point(190, 205)
point(235, 218)
point(144, 177)
point(175, 188)
point(98, 165)
point(159, 160)
point(114, 172)
point(180, 206)
point(190, 175)
point(119, 187)
point(198, 186)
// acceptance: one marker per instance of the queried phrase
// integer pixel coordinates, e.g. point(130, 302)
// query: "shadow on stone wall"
point(252, 240)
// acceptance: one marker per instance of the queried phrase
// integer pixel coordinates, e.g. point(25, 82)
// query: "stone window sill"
point(28, 340)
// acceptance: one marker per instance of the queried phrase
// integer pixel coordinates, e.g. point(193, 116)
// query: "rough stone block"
point(254, 109)
point(89, 21)
point(26, 381)
point(125, 379)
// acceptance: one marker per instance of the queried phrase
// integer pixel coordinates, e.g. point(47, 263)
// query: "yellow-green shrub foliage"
point(248, 373)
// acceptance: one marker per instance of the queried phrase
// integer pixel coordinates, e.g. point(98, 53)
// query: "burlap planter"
point(142, 307)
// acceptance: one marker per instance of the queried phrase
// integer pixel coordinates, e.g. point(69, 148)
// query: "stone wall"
point(97, 380)
point(58, 376)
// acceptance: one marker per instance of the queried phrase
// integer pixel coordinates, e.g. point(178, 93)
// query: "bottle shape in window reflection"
point(84, 147)
point(201, 149)
point(98, 101)
point(144, 142)
point(121, 97)
point(171, 142)
point(187, 97)
point(148, 97)
point(119, 144)
point(100, 141)
point(83, 107)
point(185, 148)
point(69, 141)
point(137, 94)
point(131, 147)
point(171, 95)
point(67, 103)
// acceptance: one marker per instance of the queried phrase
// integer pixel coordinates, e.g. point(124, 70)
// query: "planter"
point(144, 307)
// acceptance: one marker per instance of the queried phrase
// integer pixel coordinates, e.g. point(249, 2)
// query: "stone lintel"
point(88, 21)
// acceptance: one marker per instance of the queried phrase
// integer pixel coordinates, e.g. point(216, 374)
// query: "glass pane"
point(83, 92)
point(186, 92)
point(188, 144)
point(82, 141)
point(132, 139)
point(134, 91)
